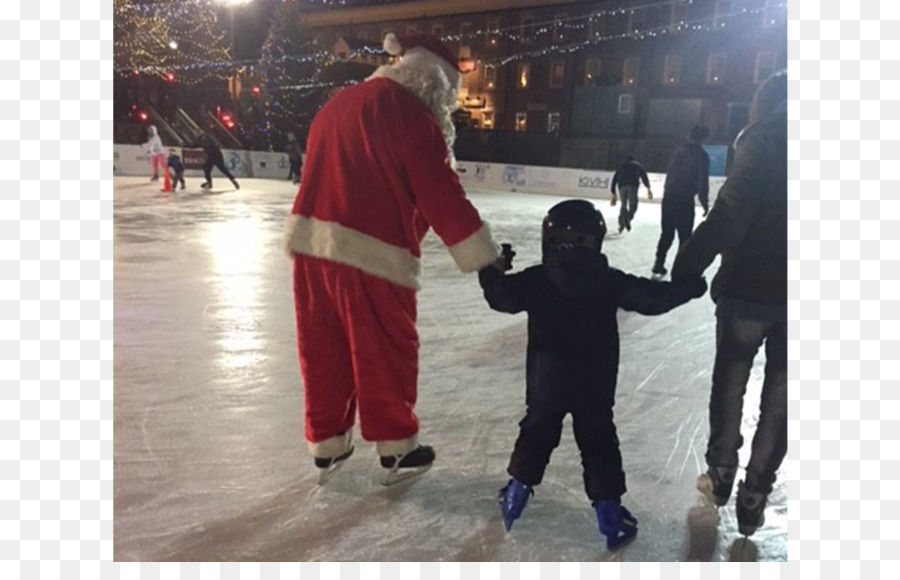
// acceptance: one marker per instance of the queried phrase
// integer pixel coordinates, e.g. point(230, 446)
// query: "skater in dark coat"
point(748, 227)
point(688, 175)
point(177, 168)
point(573, 356)
point(214, 158)
point(295, 157)
point(628, 178)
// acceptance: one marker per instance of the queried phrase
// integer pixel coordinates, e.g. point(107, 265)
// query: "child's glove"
point(613, 200)
point(649, 193)
point(506, 257)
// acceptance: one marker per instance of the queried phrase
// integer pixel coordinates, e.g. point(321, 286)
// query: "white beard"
point(434, 89)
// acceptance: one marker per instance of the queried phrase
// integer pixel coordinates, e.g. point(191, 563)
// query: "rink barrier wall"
point(564, 181)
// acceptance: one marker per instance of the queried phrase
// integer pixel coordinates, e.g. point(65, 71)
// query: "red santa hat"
point(423, 50)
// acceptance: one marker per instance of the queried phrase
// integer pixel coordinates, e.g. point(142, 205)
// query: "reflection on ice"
point(210, 462)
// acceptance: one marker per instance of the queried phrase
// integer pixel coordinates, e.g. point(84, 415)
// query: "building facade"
point(582, 83)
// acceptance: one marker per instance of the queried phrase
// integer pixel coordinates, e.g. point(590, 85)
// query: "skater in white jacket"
point(157, 153)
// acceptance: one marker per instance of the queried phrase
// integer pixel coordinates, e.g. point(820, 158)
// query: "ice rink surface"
point(210, 461)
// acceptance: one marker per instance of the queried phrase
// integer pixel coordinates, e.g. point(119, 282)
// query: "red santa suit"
point(377, 177)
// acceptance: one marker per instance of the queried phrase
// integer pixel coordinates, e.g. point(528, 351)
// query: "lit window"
point(630, 70)
point(591, 72)
point(672, 69)
point(715, 69)
point(626, 104)
point(521, 122)
point(557, 74)
point(524, 75)
point(553, 121)
point(487, 119)
point(765, 66)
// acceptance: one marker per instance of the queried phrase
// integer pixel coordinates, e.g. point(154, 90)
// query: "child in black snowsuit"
point(177, 168)
point(573, 356)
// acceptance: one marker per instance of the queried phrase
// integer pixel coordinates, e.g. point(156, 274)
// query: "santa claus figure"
point(379, 173)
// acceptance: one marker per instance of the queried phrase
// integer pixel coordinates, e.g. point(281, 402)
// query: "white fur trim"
point(331, 447)
point(392, 44)
point(398, 446)
point(338, 243)
point(476, 251)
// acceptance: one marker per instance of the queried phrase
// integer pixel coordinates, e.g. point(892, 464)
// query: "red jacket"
point(377, 177)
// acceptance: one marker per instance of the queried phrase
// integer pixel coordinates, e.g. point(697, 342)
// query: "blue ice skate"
point(615, 522)
point(513, 499)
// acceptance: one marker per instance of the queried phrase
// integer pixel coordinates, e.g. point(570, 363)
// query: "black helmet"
point(571, 224)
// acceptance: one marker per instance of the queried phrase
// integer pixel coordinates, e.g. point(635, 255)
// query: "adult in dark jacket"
point(748, 227)
point(572, 359)
point(295, 157)
point(214, 158)
point(628, 178)
point(688, 175)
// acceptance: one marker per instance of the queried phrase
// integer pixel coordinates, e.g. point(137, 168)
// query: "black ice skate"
point(407, 465)
point(328, 465)
point(750, 506)
point(716, 484)
point(615, 522)
point(659, 269)
point(235, 183)
point(206, 185)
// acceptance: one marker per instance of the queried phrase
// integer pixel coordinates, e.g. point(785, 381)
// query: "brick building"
point(581, 83)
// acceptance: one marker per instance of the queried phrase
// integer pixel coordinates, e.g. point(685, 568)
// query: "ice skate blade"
point(325, 473)
point(395, 476)
point(614, 543)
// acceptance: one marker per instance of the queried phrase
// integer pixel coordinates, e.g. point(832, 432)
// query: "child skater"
point(573, 356)
point(177, 168)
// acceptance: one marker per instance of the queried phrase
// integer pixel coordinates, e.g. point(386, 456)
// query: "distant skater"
point(628, 178)
point(214, 158)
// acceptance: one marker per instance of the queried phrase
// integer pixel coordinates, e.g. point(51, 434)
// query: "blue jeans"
point(737, 342)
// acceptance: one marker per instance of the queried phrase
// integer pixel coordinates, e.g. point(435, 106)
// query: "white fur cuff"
point(476, 251)
point(398, 446)
point(331, 447)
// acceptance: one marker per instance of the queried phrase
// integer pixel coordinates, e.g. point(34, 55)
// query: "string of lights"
point(717, 22)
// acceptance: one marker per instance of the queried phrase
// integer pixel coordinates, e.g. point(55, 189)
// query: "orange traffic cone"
point(167, 182)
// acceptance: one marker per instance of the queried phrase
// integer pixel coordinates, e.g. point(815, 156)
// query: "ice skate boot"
point(513, 499)
point(659, 268)
point(328, 465)
point(750, 506)
point(615, 522)
point(406, 465)
point(716, 484)
point(207, 185)
point(235, 183)
point(154, 178)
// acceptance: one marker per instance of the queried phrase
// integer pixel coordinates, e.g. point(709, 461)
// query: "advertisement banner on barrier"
point(514, 176)
point(193, 158)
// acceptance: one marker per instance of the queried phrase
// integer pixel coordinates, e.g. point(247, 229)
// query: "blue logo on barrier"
point(235, 161)
point(514, 175)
